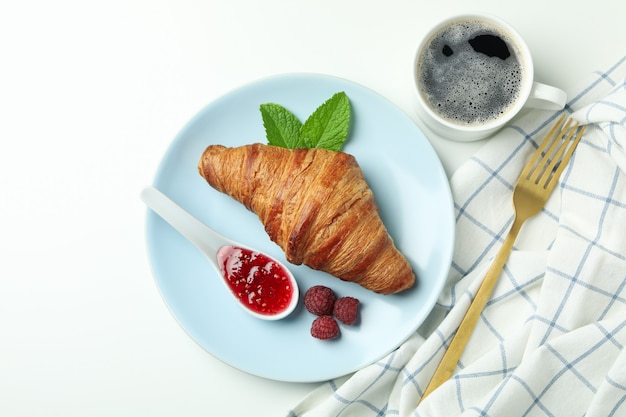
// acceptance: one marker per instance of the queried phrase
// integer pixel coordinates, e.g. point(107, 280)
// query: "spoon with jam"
point(263, 286)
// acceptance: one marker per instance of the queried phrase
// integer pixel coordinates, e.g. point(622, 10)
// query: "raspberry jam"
point(261, 284)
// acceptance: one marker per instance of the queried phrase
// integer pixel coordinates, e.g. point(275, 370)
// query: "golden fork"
point(534, 186)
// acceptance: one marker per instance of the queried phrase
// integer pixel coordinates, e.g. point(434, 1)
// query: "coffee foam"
point(469, 87)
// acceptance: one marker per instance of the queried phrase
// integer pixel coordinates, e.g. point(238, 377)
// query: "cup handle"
point(546, 97)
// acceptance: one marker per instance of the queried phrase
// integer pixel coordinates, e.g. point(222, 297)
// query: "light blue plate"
point(415, 202)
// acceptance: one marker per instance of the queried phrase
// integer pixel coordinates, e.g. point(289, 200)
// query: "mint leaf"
point(328, 126)
point(282, 127)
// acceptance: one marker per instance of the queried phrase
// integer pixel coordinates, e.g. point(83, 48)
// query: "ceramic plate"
point(409, 185)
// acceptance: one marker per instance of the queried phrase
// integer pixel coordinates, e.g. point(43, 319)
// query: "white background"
point(91, 95)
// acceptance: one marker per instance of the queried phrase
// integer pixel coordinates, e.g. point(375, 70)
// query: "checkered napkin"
point(550, 341)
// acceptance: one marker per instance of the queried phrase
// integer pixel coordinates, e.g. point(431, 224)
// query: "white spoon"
point(229, 258)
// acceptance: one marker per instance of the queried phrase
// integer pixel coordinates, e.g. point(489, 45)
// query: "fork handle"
point(457, 345)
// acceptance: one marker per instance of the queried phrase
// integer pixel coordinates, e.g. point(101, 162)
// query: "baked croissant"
point(316, 205)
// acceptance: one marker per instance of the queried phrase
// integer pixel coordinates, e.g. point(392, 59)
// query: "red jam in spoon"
point(261, 284)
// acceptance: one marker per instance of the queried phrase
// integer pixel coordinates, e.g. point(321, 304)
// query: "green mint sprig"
point(327, 127)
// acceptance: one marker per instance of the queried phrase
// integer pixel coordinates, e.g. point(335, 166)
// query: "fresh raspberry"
point(319, 300)
point(346, 310)
point(324, 328)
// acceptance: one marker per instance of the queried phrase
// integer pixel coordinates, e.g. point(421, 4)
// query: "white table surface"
point(92, 94)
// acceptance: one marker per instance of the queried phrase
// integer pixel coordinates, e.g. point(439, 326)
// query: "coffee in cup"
point(474, 73)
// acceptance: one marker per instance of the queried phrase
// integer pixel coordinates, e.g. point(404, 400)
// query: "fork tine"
point(530, 167)
point(552, 156)
point(549, 184)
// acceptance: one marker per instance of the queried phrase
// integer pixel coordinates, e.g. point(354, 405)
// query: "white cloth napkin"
point(550, 342)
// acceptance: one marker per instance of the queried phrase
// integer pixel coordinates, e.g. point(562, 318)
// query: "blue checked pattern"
point(551, 340)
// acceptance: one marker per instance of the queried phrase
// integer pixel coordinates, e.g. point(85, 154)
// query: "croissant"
point(316, 205)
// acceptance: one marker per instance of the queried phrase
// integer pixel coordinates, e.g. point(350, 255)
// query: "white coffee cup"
point(452, 118)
